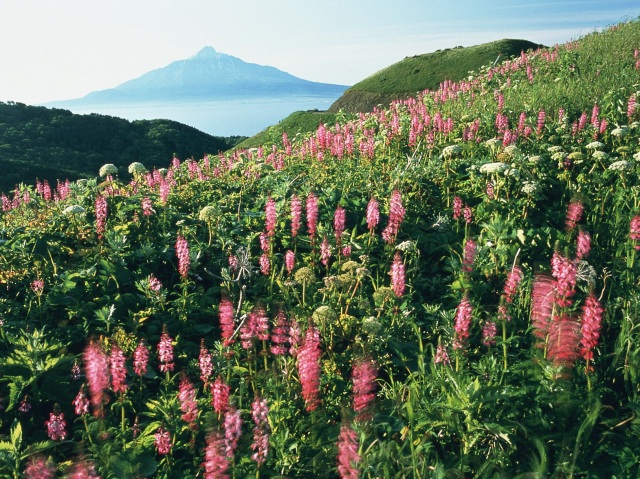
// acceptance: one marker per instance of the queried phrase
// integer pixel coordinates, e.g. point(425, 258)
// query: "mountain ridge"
point(207, 75)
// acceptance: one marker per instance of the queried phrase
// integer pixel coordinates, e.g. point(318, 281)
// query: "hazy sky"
point(63, 49)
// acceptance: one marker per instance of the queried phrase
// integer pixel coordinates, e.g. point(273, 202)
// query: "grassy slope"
point(402, 79)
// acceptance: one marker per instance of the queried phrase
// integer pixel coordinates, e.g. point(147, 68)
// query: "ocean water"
point(220, 118)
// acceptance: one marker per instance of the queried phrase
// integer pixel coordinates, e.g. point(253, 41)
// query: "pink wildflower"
point(182, 252)
point(583, 244)
point(118, 370)
point(165, 351)
point(364, 376)
point(232, 430)
point(574, 214)
point(260, 445)
point(441, 356)
point(83, 469)
point(37, 286)
point(188, 403)
point(542, 300)
point(289, 260)
point(140, 359)
point(373, 214)
point(489, 190)
point(265, 264)
point(489, 331)
point(163, 441)
point(296, 215)
point(205, 363)
point(147, 206)
point(312, 214)
point(215, 461)
point(220, 395)
point(348, 457)
point(470, 249)
point(101, 214)
point(396, 217)
point(325, 251)
point(271, 217)
point(511, 284)
point(227, 323)
point(565, 273)
point(81, 403)
point(468, 214)
point(39, 468)
point(592, 313)
point(563, 341)
point(264, 242)
point(397, 275)
point(634, 231)
point(339, 218)
point(457, 207)
point(155, 284)
point(309, 368)
point(56, 427)
point(279, 335)
point(295, 338)
point(462, 322)
point(96, 367)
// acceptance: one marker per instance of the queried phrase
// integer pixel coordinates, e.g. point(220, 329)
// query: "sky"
point(64, 49)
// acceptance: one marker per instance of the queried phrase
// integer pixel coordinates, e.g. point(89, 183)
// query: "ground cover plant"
point(447, 287)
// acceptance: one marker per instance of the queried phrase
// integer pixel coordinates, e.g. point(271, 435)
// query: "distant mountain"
point(208, 75)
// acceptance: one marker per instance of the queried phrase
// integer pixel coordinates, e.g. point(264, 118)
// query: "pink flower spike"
point(348, 457)
point(339, 219)
point(182, 252)
point(56, 427)
point(220, 395)
point(309, 368)
point(163, 441)
point(227, 323)
point(118, 369)
point(397, 275)
point(271, 217)
point(215, 462)
point(462, 323)
point(140, 359)
point(592, 313)
point(364, 375)
point(39, 468)
point(373, 214)
point(96, 366)
point(165, 351)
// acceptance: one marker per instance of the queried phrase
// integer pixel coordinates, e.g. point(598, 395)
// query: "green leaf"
point(16, 436)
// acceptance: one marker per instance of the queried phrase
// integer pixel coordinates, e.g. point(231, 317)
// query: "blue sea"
point(244, 117)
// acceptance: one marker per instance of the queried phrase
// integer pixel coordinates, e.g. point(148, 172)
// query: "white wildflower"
point(555, 149)
point(512, 172)
point(73, 210)
point(595, 145)
point(620, 131)
point(600, 155)
point(495, 167)
point(534, 159)
point(636, 156)
point(620, 165)
point(451, 151)
point(511, 150)
point(108, 169)
point(530, 188)
point(136, 168)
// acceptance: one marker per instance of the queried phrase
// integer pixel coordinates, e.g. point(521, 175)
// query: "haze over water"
point(219, 118)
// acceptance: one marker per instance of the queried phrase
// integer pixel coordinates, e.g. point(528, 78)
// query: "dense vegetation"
point(446, 288)
point(54, 144)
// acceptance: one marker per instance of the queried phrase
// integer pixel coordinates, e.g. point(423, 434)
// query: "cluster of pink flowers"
point(312, 214)
point(39, 468)
point(469, 256)
point(101, 214)
point(634, 231)
point(574, 214)
point(215, 462)
point(260, 445)
point(592, 312)
point(227, 323)
point(296, 215)
point(220, 395)
point(348, 457)
point(280, 334)
point(155, 284)
point(441, 356)
point(165, 351)
point(462, 322)
point(188, 403)
point(205, 363)
point(489, 331)
point(565, 273)
point(81, 403)
point(96, 365)
point(163, 441)
point(289, 261)
point(140, 359)
point(56, 427)
point(271, 217)
point(396, 217)
point(397, 275)
point(232, 430)
point(256, 326)
point(339, 220)
point(363, 376)
point(309, 368)
point(182, 252)
point(583, 245)
point(117, 369)
point(147, 206)
point(373, 214)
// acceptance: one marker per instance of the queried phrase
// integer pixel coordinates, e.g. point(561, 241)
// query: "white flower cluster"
point(108, 169)
point(555, 149)
point(535, 159)
point(530, 188)
point(451, 151)
point(620, 165)
point(136, 168)
point(512, 172)
point(73, 210)
point(636, 156)
point(620, 131)
point(406, 246)
point(595, 145)
point(495, 167)
point(512, 150)
point(600, 155)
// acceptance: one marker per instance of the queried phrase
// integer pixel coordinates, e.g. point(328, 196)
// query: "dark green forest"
point(51, 144)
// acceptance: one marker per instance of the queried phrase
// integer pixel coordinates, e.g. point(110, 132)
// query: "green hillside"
point(400, 80)
point(54, 144)
point(425, 72)
point(446, 287)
